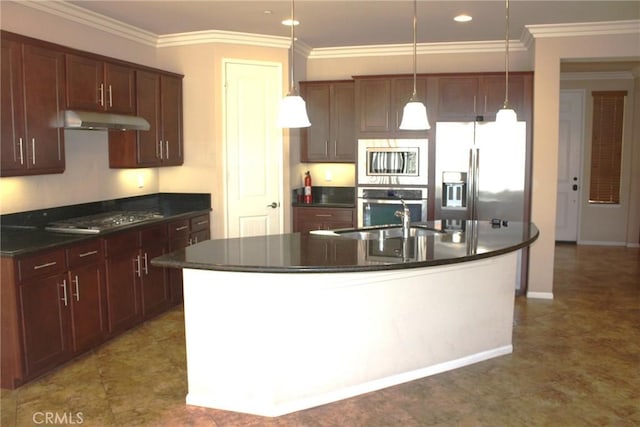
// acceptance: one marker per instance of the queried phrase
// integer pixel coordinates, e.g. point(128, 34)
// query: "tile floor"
point(576, 362)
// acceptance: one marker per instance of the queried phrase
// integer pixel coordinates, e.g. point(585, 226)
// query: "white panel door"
point(253, 145)
point(569, 163)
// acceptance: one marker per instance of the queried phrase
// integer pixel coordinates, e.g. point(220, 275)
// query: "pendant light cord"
point(292, 85)
point(506, 57)
point(415, 22)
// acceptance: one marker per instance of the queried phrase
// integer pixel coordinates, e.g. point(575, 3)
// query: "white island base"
point(274, 343)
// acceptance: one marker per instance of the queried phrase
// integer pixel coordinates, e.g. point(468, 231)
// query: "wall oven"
point(377, 206)
point(392, 162)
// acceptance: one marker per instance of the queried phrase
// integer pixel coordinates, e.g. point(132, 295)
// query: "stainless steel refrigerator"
point(480, 171)
point(481, 174)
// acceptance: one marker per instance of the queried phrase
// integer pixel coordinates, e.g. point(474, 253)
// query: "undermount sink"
point(378, 233)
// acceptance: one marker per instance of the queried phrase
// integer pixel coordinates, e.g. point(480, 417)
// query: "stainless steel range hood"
point(99, 121)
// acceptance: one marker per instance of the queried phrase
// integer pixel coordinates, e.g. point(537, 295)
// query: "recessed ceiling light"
point(463, 18)
point(267, 12)
point(288, 22)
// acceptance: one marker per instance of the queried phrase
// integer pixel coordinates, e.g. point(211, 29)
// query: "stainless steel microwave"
point(392, 162)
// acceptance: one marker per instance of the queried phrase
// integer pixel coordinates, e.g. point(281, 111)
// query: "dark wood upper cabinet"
point(96, 85)
point(32, 101)
point(331, 109)
point(467, 97)
point(380, 104)
point(159, 101)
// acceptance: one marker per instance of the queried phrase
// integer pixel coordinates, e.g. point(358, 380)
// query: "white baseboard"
point(540, 295)
point(600, 243)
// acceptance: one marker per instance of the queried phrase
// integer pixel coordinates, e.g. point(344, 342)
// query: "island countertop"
point(301, 253)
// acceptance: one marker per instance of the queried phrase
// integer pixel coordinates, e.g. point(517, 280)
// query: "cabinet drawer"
point(328, 214)
point(153, 234)
point(178, 229)
point(44, 263)
point(200, 222)
point(85, 253)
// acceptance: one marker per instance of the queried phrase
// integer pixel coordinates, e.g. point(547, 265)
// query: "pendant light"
point(293, 110)
point(506, 115)
point(414, 115)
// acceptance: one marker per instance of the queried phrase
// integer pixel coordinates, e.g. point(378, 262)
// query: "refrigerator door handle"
point(476, 184)
point(470, 185)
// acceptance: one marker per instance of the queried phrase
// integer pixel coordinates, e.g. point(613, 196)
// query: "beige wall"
point(547, 56)
point(593, 216)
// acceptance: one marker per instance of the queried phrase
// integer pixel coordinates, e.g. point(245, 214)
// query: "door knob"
point(273, 205)
point(575, 187)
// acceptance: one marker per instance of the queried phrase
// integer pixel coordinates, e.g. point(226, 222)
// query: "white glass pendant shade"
point(414, 116)
point(506, 116)
point(293, 112)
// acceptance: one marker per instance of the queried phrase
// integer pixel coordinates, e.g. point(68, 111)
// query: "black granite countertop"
point(23, 232)
point(300, 253)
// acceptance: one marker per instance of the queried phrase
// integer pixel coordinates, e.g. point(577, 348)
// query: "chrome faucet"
point(405, 214)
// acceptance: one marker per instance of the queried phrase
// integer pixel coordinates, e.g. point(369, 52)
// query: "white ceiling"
point(328, 23)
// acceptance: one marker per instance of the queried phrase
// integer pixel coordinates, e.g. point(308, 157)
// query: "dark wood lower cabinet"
point(123, 294)
point(45, 321)
point(59, 303)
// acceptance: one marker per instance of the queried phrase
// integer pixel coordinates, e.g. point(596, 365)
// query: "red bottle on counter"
point(307, 188)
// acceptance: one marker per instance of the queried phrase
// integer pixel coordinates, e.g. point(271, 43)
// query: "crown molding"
point(532, 32)
point(215, 36)
point(91, 19)
point(421, 49)
point(598, 75)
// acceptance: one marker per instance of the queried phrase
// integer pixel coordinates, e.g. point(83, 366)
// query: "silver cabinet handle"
point(166, 143)
point(64, 292)
point(160, 143)
point(45, 265)
point(102, 94)
point(110, 96)
point(33, 150)
point(146, 264)
point(202, 222)
point(76, 282)
point(20, 142)
point(184, 227)
point(326, 148)
point(136, 266)
point(84, 254)
point(323, 215)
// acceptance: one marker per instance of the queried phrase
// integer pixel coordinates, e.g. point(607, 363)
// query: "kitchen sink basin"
point(378, 233)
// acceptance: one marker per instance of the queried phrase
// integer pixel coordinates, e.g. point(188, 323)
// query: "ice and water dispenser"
point(454, 189)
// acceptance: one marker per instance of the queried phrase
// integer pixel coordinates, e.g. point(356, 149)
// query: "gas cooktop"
point(94, 224)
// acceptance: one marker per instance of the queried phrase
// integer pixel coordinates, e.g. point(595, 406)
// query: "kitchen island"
point(280, 323)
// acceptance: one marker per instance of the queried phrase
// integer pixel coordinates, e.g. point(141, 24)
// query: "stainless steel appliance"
point(378, 205)
point(392, 162)
point(480, 174)
point(94, 224)
point(480, 171)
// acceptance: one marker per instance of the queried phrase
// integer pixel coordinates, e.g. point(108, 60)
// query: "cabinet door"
point(402, 89)
point(343, 119)
point(153, 280)
point(458, 97)
point(123, 269)
point(493, 92)
point(171, 150)
point(374, 105)
point(87, 294)
point(43, 74)
point(87, 306)
point(179, 238)
point(12, 143)
point(44, 303)
point(315, 139)
point(155, 287)
point(148, 101)
point(85, 85)
point(120, 89)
